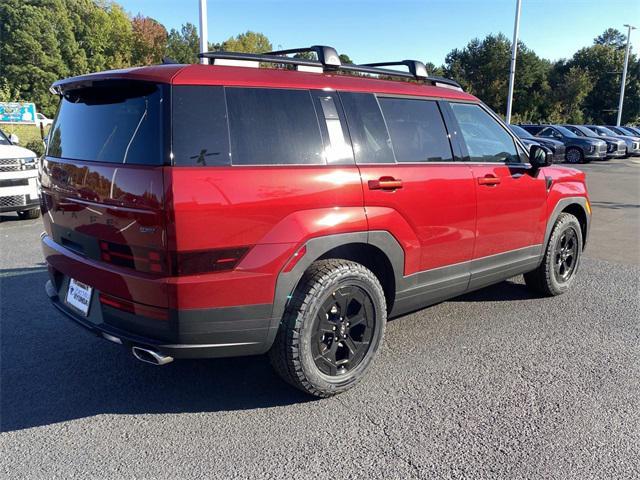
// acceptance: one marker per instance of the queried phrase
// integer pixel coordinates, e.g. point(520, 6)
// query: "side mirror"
point(540, 156)
point(13, 138)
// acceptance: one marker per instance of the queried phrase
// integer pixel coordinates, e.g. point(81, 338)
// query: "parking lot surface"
point(494, 384)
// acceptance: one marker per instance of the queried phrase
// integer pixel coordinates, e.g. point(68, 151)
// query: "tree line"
point(42, 41)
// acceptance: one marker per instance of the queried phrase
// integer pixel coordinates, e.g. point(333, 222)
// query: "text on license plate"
point(79, 296)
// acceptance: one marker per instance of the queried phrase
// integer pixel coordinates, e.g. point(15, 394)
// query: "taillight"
point(180, 263)
point(134, 308)
point(139, 258)
point(207, 261)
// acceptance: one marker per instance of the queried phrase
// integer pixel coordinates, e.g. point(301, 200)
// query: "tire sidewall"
point(311, 372)
point(563, 224)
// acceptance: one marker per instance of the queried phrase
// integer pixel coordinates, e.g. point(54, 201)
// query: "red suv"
point(215, 210)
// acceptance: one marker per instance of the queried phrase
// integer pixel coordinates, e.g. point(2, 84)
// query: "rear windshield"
point(116, 122)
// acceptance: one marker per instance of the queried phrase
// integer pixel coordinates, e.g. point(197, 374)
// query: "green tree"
point(345, 60)
point(482, 68)
point(183, 46)
point(248, 42)
point(7, 93)
point(611, 37)
point(571, 86)
point(45, 40)
point(37, 48)
point(149, 41)
point(603, 65)
point(103, 32)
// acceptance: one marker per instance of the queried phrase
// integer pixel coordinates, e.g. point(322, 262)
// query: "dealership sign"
point(17, 112)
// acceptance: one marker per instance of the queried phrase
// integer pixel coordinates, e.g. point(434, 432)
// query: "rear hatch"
point(102, 176)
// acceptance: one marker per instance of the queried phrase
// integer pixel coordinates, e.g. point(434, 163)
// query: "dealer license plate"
point(79, 296)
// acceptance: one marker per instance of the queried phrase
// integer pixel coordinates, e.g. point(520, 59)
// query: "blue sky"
point(375, 30)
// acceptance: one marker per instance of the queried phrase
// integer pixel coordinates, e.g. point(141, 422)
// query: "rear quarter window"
point(200, 135)
point(113, 122)
point(273, 127)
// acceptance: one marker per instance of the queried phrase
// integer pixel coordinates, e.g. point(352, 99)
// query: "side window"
point(199, 125)
point(369, 136)
point(485, 138)
point(273, 127)
point(417, 130)
point(547, 132)
point(337, 149)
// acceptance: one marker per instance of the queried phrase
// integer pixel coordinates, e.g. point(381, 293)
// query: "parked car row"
point(581, 143)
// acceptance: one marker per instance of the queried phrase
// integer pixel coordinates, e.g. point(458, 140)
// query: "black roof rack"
point(327, 56)
point(329, 60)
point(416, 68)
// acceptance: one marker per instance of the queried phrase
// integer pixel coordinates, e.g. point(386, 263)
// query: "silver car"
point(633, 142)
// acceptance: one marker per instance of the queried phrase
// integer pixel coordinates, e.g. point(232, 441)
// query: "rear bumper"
point(223, 331)
point(211, 334)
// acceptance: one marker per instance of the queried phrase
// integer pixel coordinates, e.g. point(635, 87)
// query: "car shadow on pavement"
point(53, 371)
point(614, 205)
point(500, 292)
point(9, 217)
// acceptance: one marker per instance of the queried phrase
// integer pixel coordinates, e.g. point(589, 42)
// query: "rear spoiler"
point(155, 74)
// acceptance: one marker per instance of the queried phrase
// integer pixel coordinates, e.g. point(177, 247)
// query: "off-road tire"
point(291, 354)
point(543, 279)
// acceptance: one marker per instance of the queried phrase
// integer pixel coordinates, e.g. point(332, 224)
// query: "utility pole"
point(514, 53)
point(624, 72)
point(204, 46)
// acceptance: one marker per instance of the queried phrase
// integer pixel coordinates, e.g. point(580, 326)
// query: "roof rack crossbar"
point(328, 59)
point(327, 56)
point(257, 57)
point(416, 68)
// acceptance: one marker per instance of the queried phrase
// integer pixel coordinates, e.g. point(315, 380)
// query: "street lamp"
point(624, 71)
point(204, 46)
point(514, 53)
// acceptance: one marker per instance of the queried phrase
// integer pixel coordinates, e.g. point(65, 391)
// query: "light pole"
point(203, 31)
point(514, 53)
point(624, 72)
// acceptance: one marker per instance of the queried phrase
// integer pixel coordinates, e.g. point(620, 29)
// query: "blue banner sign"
point(17, 112)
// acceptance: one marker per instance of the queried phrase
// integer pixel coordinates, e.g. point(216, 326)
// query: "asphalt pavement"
point(494, 384)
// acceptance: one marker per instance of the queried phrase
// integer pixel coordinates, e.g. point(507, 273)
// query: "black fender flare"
point(315, 248)
point(562, 204)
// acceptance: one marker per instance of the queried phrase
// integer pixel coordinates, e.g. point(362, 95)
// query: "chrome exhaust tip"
point(149, 356)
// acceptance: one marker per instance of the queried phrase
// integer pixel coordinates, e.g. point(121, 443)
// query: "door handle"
point(490, 180)
point(385, 183)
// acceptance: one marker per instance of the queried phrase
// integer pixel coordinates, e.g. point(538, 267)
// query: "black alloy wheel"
point(561, 260)
point(332, 328)
point(343, 330)
point(566, 255)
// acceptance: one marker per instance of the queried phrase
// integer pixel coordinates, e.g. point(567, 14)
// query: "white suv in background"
point(18, 179)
